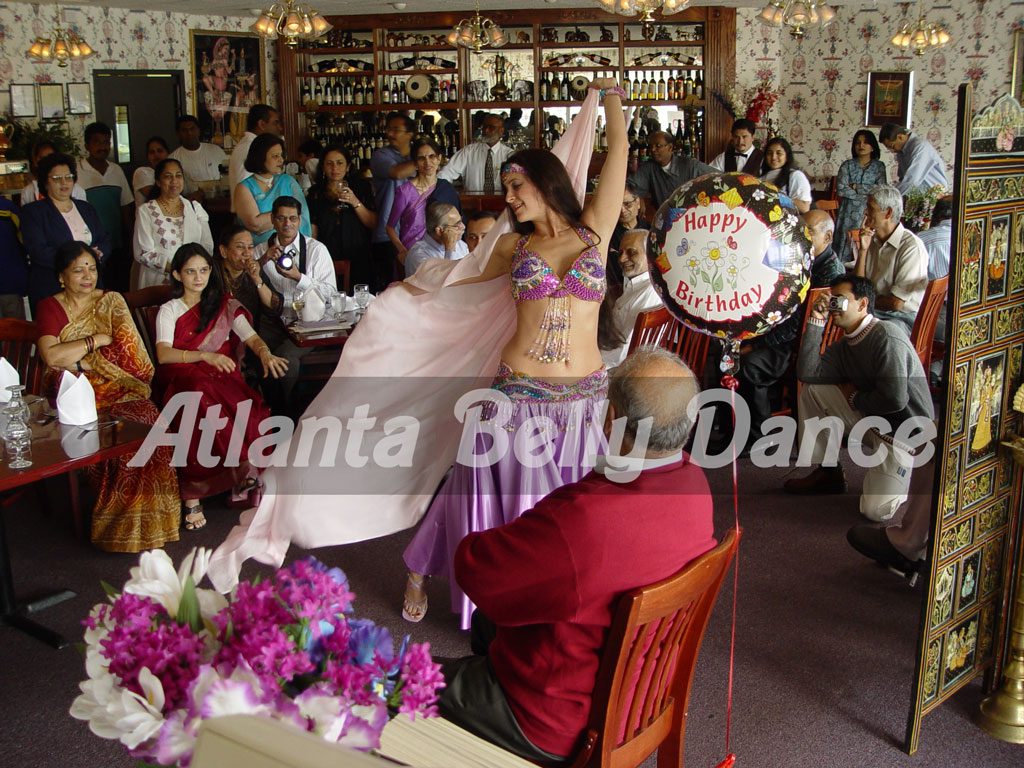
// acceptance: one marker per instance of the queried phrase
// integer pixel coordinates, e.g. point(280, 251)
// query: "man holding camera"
point(871, 371)
point(293, 266)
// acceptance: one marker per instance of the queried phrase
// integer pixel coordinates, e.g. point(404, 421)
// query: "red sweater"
point(550, 580)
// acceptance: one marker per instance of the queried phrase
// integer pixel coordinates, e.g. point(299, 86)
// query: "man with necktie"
point(741, 155)
point(479, 164)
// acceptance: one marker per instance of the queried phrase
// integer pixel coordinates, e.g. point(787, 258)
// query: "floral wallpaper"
point(823, 77)
point(122, 38)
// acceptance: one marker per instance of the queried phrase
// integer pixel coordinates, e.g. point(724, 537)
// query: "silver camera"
point(837, 303)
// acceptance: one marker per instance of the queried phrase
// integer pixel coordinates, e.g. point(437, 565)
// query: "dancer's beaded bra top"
point(533, 279)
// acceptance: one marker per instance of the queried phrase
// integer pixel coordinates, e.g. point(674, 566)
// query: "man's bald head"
point(820, 226)
point(652, 383)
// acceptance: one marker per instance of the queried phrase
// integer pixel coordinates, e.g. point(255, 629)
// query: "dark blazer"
point(43, 230)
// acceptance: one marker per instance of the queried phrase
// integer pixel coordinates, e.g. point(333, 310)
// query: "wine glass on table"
point(17, 437)
point(298, 304)
point(362, 296)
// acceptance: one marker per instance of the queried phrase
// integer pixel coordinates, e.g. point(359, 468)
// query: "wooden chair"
point(652, 329)
point(829, 206)
point(342, 274)
point(642, 694)
point(923, 334)
point(144, 305)
point(18, 345)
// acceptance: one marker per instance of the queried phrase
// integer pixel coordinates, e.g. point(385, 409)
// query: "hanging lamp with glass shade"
point(292, 21)
point(63, 45)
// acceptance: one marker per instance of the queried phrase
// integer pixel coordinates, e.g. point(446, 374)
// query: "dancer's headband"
point(508, 168)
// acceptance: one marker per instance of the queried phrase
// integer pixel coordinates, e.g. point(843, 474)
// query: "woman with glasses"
point(56, 219)
point(31, 191)
point(407, 221)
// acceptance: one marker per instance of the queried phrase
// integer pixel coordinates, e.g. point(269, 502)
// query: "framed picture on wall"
point(79, 99)
point(227, 79)
point(51, 101)
point(1017, 66)
point(23, 100)
point(890, 98)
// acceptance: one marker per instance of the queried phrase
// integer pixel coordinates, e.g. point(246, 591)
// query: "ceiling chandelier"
point(61, 45)
point(292, 21)
point(922, 36)
point(477, 33)
point(798, 15)
point(645, 8)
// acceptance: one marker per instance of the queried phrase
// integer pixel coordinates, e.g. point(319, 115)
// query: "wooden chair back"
point(642, 694)
point(923, 334)
point(144, 305)
point(651, 329)
point(18, 344)
point(829, 206)
point(342, 274)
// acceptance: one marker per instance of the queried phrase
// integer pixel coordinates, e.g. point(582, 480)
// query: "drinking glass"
point(339, 187)
point(17, 439)
point(18, 401)
point(362, 296)
point(340, 302)
point(298, 304)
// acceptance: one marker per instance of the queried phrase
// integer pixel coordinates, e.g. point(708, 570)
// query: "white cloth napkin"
point(78, 443)
point(8, 378)
point(314, 308)
point(76, 401)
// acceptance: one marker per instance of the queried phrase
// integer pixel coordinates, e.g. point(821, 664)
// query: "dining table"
point(57, 449)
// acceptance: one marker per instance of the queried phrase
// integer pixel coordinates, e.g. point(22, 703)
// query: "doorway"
point(138, 104)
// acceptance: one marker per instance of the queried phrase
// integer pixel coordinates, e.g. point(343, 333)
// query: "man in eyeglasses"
point(442, 241)
point(659, 176)
point(630, 217)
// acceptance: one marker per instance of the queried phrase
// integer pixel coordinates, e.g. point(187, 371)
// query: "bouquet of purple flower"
point(164, 655)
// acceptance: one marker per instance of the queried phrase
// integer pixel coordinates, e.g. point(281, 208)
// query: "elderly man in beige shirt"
point(893, 258)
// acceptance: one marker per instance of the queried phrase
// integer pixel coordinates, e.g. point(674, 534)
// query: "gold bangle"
point(183, 356)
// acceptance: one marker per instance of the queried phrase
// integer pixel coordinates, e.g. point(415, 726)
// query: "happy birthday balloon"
point(731, 257)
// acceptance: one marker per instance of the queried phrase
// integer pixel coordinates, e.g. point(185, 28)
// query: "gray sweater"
point(880, 362)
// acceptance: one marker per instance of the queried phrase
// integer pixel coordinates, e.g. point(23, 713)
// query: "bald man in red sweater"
point(546, 585)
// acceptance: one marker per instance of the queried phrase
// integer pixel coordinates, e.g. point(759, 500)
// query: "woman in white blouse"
point(165, 224)
point(779, 169)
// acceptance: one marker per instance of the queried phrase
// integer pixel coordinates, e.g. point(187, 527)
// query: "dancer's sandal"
point(194, 518)
point(415, 610)
point(246, 495)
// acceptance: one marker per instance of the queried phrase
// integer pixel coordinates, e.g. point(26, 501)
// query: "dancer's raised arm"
point(602, 213)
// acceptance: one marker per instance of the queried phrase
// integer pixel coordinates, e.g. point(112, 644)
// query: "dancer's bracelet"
point(616, 90)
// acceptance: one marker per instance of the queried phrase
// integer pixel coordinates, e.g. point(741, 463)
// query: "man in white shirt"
point(918, 166)
point(442, 241)
point(741, 154)
point(659, 176)
point(199, 160)
point(893, 258)
point(107, 190)
point(638, 294)
point(260, 119)
point(311, 268)
point(479, 164)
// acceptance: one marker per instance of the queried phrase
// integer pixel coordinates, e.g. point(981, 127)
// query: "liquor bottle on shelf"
point(563, 89)
point(597, 135)
point(396, 94)
point(348, 94)
point(680, 138)
point(662, 87)
point(544, 85)
point(369, 95)
point(637, 92)
point(360, 94)
point(444, 91)
point(453, 89)
point(385, 91)
point(699, 88)
point(318, 92)
point(306, 94)
point(688, 85)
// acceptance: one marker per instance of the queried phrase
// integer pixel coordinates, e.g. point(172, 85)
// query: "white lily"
point(143, 715)
point(155, 577)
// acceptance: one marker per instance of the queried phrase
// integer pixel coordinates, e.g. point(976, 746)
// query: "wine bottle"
point(637, 91)
point(544, 86)
point(306, 93)
point(699, 89)
point(662, 87)
point(396, 94)
point(688, 85)
point(597, 136)
point(385, 92)
point(360, 94)
point(318, 92)
point(453, 89)
point(563, 91)
point(370, 95)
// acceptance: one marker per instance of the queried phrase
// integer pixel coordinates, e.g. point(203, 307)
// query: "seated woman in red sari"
point(89, 331)
point(199, 338)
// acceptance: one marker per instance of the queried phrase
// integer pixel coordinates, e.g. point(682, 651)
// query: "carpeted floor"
point(824, 642)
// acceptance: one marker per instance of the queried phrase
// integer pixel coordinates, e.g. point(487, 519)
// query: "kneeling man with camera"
point(871, 380)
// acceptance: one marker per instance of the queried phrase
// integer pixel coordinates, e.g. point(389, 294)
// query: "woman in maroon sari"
point(199, 337)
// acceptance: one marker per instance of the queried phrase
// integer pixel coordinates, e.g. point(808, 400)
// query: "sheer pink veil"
point(410, 359)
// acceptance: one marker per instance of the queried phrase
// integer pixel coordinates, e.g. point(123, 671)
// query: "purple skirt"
point(530, 438)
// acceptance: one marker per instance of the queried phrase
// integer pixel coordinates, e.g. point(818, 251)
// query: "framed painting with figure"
point(227, 79)
point(985, 408)
point(890, 98)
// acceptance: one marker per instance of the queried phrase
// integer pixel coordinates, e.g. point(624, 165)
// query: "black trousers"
point(473, 698)
point(759, 369)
